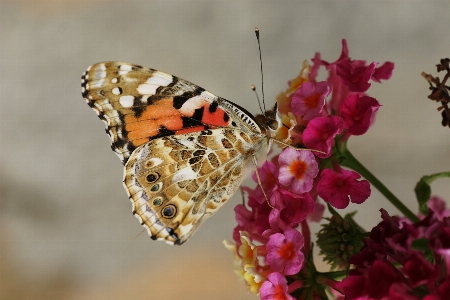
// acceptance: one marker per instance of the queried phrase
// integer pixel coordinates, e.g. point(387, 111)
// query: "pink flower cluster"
point(319, 115)
point(401, 260)
point(327, 125)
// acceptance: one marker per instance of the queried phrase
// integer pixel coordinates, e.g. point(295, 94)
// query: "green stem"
point(351, 162)
point(335, 275)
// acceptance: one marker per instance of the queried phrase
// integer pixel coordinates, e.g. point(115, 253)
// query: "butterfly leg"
point(296, 148)
point(255, 163)
point(242, 194)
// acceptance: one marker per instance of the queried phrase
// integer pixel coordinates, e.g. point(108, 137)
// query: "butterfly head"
point(270, 121)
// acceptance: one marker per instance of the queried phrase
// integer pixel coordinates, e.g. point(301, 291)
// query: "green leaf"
point(423, 189)
point(424, 246)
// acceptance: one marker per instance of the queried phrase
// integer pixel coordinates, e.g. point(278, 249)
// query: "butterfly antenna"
point(257, 97)
point(137, 235)
point(262, 74)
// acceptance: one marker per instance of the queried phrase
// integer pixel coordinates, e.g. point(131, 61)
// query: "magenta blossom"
point(320, 134)
point(338, 188)
point(284, 253)
point(290, 209)
point(355, 77)
point(390, 265)
point(308, 100)
point(358, 113)
point(268, 173)
point(374, 283)
point(275, 288)
point(419, 270)
point(297, 170)
point(317, 214)
point(383, 72)
point(347, 77)
point(438, 205)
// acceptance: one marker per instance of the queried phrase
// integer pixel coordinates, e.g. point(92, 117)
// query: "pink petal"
point(383, 72)
point(356, 78)
point(320, 133)
point(292, 161)
point(358, 113)
point(337, 188)
point(309, 99)
point(271, 288)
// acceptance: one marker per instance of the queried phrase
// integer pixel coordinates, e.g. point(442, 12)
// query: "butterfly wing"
point(176, 182)
point(140, 104)
point(184, 149)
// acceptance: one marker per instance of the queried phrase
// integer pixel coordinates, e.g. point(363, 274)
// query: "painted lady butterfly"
point(185, 150)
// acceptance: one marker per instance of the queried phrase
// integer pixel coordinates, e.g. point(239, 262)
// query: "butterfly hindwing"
point(176, 182)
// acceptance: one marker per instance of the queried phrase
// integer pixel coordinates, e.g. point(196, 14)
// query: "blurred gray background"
point(66, 228)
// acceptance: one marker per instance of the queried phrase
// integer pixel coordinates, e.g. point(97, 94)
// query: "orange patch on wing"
point(147, 125)
point(142, 129)
point(162, 108)
point(171, 123)
point(216, 118)
point(162, 113)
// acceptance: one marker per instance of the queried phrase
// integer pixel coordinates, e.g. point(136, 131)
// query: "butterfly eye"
point(273, 124)
point(169, 211)
point(157, 201)
point(152, 177)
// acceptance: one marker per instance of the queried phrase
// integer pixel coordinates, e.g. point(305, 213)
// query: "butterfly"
point(185, 150)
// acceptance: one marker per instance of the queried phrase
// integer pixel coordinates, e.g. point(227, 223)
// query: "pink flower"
point(308, 100)
point(297, 170)
point(275, 288)
point(290, 209)
point(338, 188)
point(284, 252)
point(358, 113)
point(355, 77)
point(437, 205)
point(400, 291)
point(383, 72)
point(243, 215)
point(375, 283)
point(442, 291)
point(320, 134)
point(419, 270)
point(394, 243)
point(268, 173)
point(317, 214)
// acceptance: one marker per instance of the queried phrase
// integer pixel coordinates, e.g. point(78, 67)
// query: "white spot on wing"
point(114, 80)
point(156, 161)
point(184, 174)
point(189, 144)
point(192, 104)
point(116, 91)
point(126, 101)
point(158, 79)
point(124, 69)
